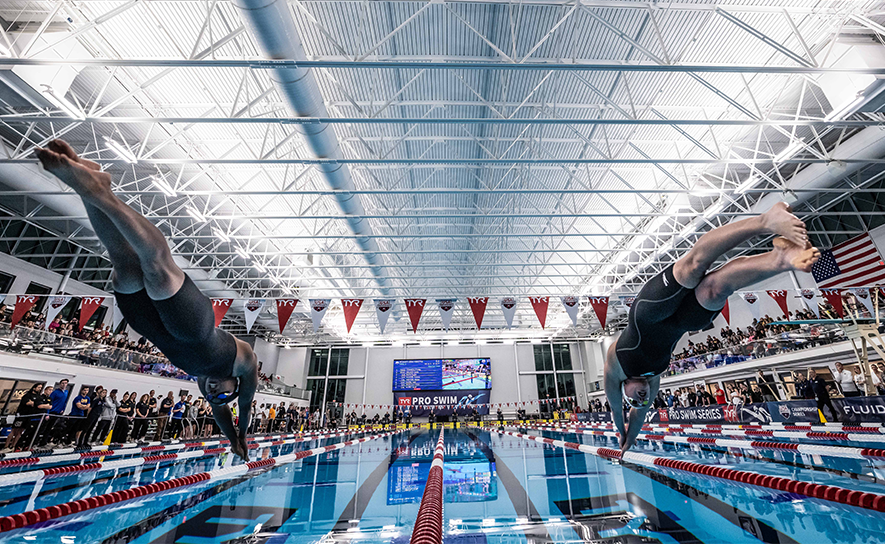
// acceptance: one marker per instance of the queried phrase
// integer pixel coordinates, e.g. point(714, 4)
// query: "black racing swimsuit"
point(183, 328)
point(662, 312)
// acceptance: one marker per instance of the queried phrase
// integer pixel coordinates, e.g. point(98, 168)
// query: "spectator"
point(152, 403)
point(766, 385)
point(271, 417)
point(163, 415)
point(804, 389)
point(737, 399)
point(142, 412)
point(500, 417)
point(845, 380)
point(880, 374)
point(823, 395)
point(79, 415)
point(860, 381)
point(108, 412)
point(55, 424)
point(96, 407)
point(177, 416)
point(25, 408)
point(720, 395)
point(121, 424)
point(36, 421)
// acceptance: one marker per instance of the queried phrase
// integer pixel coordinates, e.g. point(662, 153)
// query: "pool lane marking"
point(428, 527)
point(33, 517)
point(843, 452)
point(360, 500)
point(861, 499)
point(860, 436)
point(515, 491)
point(18, 478)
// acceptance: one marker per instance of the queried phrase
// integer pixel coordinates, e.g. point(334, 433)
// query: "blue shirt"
point(59, 400)
point(175, 413)
point(81, 399)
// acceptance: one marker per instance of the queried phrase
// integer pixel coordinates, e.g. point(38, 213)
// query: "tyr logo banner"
point(478, 306)
point(285, 307)
point(415, 307)
point(351, 308)
point(23, 304)
point(88, 305)
point(220, 306)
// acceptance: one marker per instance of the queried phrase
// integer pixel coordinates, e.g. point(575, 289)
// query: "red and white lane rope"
point(754, 432)
point(428, 524)
point(36, 475)
point(32, 517)
point(844, 452)
point(861, 499)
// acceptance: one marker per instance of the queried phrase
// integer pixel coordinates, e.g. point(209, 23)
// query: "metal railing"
point(26, 341)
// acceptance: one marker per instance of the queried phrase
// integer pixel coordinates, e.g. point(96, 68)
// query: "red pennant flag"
point(780, 296)
point(88, 305)
point(220, 306)
point(600, 306)
point(351, 308)
point(726, 313)
point(540, 306)
point(834, 297)
point(478, 307)
point(415, 306)
point(23, 304)
point(285, 307)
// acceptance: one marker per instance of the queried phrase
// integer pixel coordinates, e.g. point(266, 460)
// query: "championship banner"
point(56, 304)
point(793, 411)
point(415, 306)
point(861, 409)
point(220, 306)
point(863, 295)
point(780, 296)
point(23, 304)
point(383, 306)
point(118, 315)
point(809, 296)
point(446, 310)
point(318, 307)
point(508, 306)
point(88, 305)
point(540, 305)
point(351, 309)
point(726, 313)
point(478, 306)
point(752, 301)
point(600, 306)
point(834, 297)
point(285, 307)
point(572, 305)
point(252, 308)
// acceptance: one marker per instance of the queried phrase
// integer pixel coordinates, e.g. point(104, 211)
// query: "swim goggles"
point(634, 403)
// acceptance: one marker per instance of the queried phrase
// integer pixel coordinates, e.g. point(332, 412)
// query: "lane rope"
point(428, 527)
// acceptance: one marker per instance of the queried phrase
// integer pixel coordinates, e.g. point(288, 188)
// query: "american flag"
point(855, 263)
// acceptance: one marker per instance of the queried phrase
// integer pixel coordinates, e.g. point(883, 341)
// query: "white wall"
point(292, 366)
point(268, 354)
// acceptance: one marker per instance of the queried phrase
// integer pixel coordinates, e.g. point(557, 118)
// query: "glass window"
point(319, 358)
point(6, 282)
point(35, 288)
point(566, 383)
point(546, 386)
point(543, 357)
point(562, 357)
point(315, 386)
point(338, 364)
point(335, 391)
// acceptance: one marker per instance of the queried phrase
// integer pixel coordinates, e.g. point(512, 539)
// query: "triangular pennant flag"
point(726, 313)
point(23, 304)
point(752, 301)
point(318, 307)
point(863, 295)
point(540, 304)
point(446, 311)
point(118, 316)
point(285, 307)
point(508, 306)
point(56, 305)
point(600, 306)
point(478, 307)
point(572, 305)
point(809, 296)
point(834, 297)
point(88, 305)
point(780, 296)
point(351, 309)
point(415, 307)
point(252, 308)
point(220, 306)
point(383, 307)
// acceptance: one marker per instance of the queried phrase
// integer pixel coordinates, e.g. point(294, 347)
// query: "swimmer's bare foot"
point(780, 220)
point(84, 180)
point(797, 257)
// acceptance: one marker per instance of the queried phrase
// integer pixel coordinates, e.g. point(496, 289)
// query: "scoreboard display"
point(441, 374)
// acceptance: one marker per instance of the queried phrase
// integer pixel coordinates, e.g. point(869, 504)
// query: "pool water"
point(498, 489)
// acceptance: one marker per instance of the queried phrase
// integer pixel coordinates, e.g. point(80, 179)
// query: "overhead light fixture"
point(747, 185)
point(220, 234)
point(160, 183)
point(61, 102)
point(259, 267)
point(197, 214)
point(715, 209)
point(121, 150)
point(843, 111)
point(789, 151)
point(243, 253)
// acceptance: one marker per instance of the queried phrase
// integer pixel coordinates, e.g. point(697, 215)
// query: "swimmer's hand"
point(240, 449)
point(622, 442)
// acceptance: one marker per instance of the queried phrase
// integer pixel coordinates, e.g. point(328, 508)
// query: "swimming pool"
point(498, 488)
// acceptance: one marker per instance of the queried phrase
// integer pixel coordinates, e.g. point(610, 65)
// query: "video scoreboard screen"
point(441, 374)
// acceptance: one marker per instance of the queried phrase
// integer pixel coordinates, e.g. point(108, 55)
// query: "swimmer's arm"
point(615, 398)
point(637, 415)
point(225, 420)
point(248, 385)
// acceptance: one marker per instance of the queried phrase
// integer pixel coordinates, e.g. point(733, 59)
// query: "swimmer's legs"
point(160, 275)
point(690, 269)
point(715, 288)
